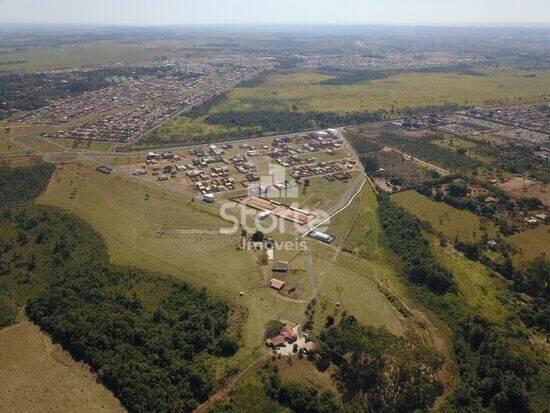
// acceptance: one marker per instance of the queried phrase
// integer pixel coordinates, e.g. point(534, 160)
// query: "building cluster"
point(535, 118)
point(130, 92)
point(129, 107)
point(361, 60)
point(524, 126)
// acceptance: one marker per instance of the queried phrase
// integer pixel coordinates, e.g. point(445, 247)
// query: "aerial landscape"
point(246, 207)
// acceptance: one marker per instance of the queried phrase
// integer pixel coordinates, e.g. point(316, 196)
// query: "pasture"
point(451, 222)
point(520, 187)
point(531, 243)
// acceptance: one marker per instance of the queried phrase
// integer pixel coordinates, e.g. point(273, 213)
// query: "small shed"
point(276, 284)
point(280, 266)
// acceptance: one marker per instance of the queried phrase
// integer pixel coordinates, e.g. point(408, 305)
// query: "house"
point(285, 336)
point(542, 217)
point(280, 266)
point(491, 244)
point(276, 284)
point(276, 341)
point(309, 347)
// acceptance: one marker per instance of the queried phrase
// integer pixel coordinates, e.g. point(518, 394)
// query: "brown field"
point(519, 187)
point(38, 376)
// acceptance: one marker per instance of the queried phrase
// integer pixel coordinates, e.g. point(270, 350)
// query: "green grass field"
point(482, 290)
point(451, 222)
point(531, 243)
point(304, 91)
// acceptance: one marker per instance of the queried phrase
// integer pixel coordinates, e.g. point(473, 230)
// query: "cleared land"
point(519, 187)
point(38, 376)
point(532, 243)
point(451, 222)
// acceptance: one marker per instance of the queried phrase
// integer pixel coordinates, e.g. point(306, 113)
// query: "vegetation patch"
point(454, 224)
point(403, 235)
point(22, 184)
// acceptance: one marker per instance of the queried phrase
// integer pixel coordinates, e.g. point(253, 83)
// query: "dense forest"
point(290, 121)
point(349, 77)
point(151, 340)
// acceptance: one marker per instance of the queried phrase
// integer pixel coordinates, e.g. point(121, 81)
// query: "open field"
point(91, 145)
point(532, 243)
point(451, 142)
point(84, 55)
point(519, 187)
point(304, 371)
point(475, 282)
point(38, 376)
point(451, 222)
point(303, 90)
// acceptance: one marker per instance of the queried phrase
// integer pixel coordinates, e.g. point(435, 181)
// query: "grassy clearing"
point(305, 372)
point(453, 143)
point(79, 144)
point(531, 243)
point(451, 222)
point(357, 291)
point(484, 292)
point(35, 372)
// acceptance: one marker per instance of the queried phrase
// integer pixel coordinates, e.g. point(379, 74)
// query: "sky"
point(184, 12)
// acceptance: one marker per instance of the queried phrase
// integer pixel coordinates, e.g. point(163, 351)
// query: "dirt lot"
point(523, 187)
point(38, 376)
